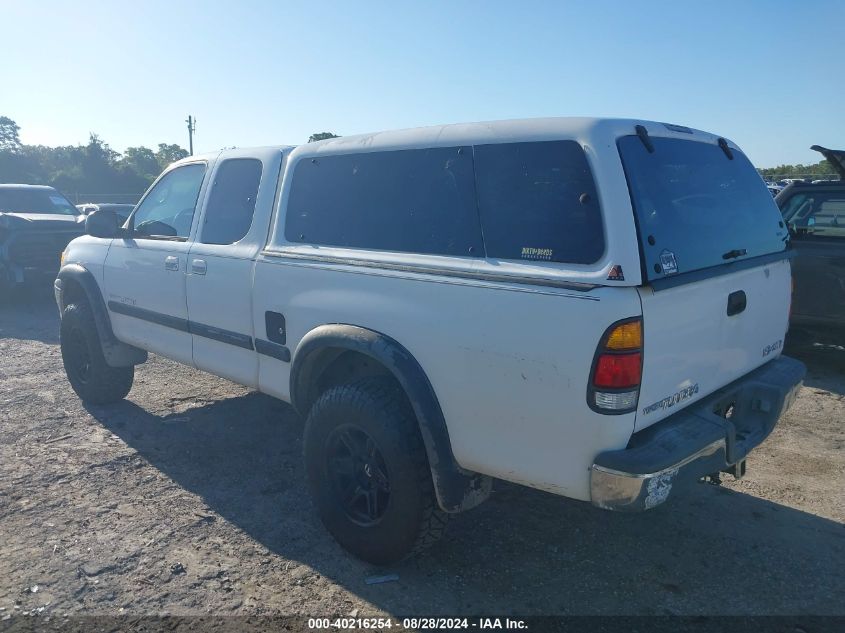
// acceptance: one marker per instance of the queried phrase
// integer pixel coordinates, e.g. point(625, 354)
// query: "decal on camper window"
point(537, 253)
point(668, 263)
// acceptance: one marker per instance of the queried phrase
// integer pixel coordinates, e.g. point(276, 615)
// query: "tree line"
point(822, 168)
point(93, 167)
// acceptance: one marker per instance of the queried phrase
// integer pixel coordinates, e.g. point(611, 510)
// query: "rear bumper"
point(696, 441)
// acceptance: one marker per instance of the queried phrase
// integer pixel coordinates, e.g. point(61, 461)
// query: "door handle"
point(198, 266)
point(171, 263)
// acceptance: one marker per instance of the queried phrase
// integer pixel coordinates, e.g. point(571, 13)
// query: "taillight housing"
point(616, 374)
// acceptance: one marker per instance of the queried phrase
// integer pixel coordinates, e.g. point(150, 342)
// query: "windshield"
point(35, 201)
point(697, 208)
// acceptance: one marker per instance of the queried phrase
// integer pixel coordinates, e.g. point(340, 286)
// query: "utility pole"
point(192, 127)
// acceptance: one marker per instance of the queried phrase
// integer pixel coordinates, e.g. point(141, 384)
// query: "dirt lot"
point(188, 498)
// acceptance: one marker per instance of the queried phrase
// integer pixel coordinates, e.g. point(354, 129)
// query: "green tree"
point(99, 150)
point(94, 168)
point(167, 154)
point(9, 139)
point(822, 168)
point(321, 136)
point(141, 160)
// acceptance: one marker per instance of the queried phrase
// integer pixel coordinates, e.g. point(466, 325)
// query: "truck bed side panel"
point(509, 363)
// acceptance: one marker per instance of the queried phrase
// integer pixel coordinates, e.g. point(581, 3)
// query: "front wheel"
point(93, 380)
point(368, 472)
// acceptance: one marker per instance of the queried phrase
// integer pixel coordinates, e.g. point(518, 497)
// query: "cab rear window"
point(696, 207)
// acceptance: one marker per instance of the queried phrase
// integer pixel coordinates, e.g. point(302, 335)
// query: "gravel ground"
point(188, 498)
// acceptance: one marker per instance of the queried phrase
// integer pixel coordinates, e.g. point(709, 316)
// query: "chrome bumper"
point(696, 441)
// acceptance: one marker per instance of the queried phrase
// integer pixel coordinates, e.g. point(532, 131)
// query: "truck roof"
point(235, 151)
point(583, 129)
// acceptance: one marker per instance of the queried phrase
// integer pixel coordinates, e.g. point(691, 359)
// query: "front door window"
point(167, 211)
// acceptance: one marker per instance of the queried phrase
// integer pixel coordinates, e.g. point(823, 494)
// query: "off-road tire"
point(412, 519)
point(93, 380)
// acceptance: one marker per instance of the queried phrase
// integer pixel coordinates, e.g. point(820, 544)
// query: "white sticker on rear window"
point(668, 263)
point(537, 253)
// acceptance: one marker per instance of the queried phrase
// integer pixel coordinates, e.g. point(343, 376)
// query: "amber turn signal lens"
point(626, 336)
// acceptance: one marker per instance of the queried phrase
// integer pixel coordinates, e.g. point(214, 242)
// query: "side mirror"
point(103, 223)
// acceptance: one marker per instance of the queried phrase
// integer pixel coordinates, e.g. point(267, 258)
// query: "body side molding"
point(158, 318)
point(244, 341)
point(273, 350)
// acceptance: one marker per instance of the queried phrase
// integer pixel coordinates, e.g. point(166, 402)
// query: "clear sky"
point(767, 74)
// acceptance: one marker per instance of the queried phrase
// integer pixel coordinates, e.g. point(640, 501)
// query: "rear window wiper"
point(737, 252)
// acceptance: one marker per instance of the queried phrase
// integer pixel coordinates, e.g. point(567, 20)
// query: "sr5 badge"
point(769, 349)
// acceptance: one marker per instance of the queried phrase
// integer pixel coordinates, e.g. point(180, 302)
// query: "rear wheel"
point(368, 472)
point(92, 379)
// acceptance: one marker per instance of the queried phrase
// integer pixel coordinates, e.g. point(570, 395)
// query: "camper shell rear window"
point(697, 205)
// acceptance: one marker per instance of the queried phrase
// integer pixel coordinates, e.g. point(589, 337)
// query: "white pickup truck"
point(591, 307)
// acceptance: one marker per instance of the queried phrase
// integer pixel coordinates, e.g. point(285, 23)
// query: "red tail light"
point(617, 370)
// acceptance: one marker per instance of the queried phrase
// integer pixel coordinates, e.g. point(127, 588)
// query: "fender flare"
point(456, 489)
point(116, 353)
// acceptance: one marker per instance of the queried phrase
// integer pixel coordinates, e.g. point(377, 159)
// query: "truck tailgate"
point(692, 346)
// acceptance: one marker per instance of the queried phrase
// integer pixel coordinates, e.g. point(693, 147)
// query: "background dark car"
point(36, 223)
point(121, 210)
point(815, 214)
point(774, 189)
